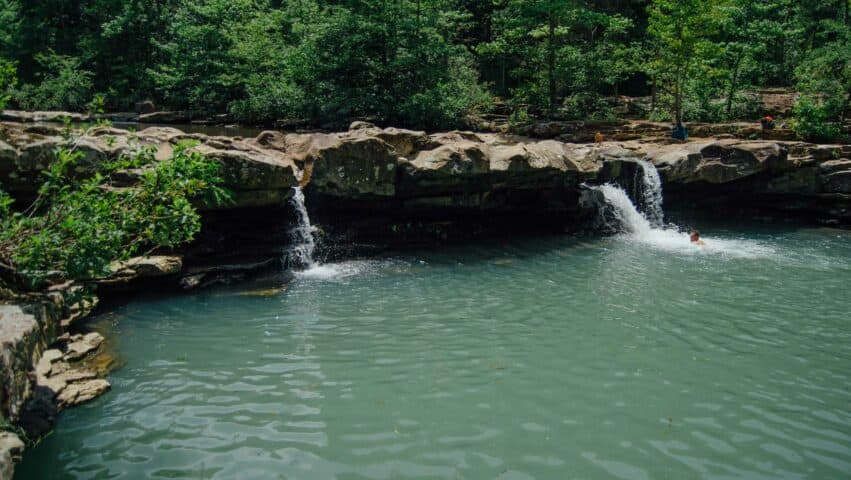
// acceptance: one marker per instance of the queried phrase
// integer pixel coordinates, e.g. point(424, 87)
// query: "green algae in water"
point(620, 357)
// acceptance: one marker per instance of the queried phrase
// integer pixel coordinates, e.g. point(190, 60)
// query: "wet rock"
point(102, 362)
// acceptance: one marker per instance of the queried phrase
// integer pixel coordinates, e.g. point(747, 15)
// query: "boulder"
point(144, 107)
point(355, 167)
point(20, 345)
point(11, 448)
point(164, 117)
point(717, 162)
point(143, 267)
point(8, 157)
point(81, 392)
point(53, 117)
point(253, 169)
point(360, 125)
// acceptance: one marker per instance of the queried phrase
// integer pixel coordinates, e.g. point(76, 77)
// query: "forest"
point(429, 63)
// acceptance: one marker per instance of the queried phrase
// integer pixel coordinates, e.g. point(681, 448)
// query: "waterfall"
point(626, 216)
point(637, 217)
point(300, 253)
point(648, 192)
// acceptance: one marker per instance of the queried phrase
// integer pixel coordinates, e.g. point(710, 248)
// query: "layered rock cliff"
point(413, 174)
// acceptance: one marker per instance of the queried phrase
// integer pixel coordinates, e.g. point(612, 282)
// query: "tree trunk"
point(733, 80)
point(678, 97)
point(551, 61)
point(653, 95)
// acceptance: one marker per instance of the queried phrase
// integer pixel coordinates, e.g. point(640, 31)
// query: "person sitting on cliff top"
point(767, 122)
point(694, 236)
point(679, 132)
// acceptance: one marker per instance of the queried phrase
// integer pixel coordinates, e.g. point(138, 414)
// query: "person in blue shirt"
point(679, 132)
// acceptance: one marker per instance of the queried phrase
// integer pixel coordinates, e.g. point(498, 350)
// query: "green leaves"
point(78, 226)
point(7, 81)
point(421, 63)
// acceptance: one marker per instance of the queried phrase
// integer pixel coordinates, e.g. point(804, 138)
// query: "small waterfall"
point(626, 216)
point(300, 254)
point(639, 216)
point(648, 192)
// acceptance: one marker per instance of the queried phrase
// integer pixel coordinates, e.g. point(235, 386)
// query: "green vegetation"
point(7, 81)
point(427, 63)
point(80, 223)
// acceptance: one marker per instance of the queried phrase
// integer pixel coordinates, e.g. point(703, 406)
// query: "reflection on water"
point(548, 358)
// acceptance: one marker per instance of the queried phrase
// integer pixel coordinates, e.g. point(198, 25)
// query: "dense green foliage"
point(7, 81)
point(426, 63)
point(79, 224)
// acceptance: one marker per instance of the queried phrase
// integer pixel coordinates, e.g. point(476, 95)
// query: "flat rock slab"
point(81, 346)
point(80, 392)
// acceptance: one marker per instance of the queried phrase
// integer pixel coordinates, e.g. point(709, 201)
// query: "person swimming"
point(694, 236)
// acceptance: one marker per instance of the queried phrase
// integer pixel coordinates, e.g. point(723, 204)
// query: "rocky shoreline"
point(370, 184)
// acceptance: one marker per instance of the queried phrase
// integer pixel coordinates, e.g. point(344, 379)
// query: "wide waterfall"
point(300, 253)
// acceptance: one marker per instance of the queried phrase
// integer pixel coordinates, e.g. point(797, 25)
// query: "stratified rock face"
point(782, 167)
point(352, 167)
point(717, 162)
point(20, 346)
point(374, 170)
point(25, 116)
point(257, 176)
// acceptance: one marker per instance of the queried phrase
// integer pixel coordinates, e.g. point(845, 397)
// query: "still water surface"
point(537, 358)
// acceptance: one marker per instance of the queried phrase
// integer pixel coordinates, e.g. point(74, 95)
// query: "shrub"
point(77, 226)
point(64, 85)
point(813, 121)
point(444, 104)
point(269, 98)
point(7, 81)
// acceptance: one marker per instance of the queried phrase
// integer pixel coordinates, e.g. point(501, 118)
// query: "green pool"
point(634, 357)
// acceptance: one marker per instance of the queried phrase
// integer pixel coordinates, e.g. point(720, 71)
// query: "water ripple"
point(592, 358)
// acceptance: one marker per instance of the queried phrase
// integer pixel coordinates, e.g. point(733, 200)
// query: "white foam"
point(651, 193)
point(341, 270)
point(675, 241)
point(637, 229)
point(303, 245)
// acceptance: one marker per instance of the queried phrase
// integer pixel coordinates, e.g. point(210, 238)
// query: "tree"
point(79, 224)
point(560, 49)
point(824, 78)
point(680, 29)
point(7, 81)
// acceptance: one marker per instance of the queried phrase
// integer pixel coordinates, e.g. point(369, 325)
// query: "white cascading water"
point(626, 215)
point(300, 253)
point(648, 228)
point(651, 193)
